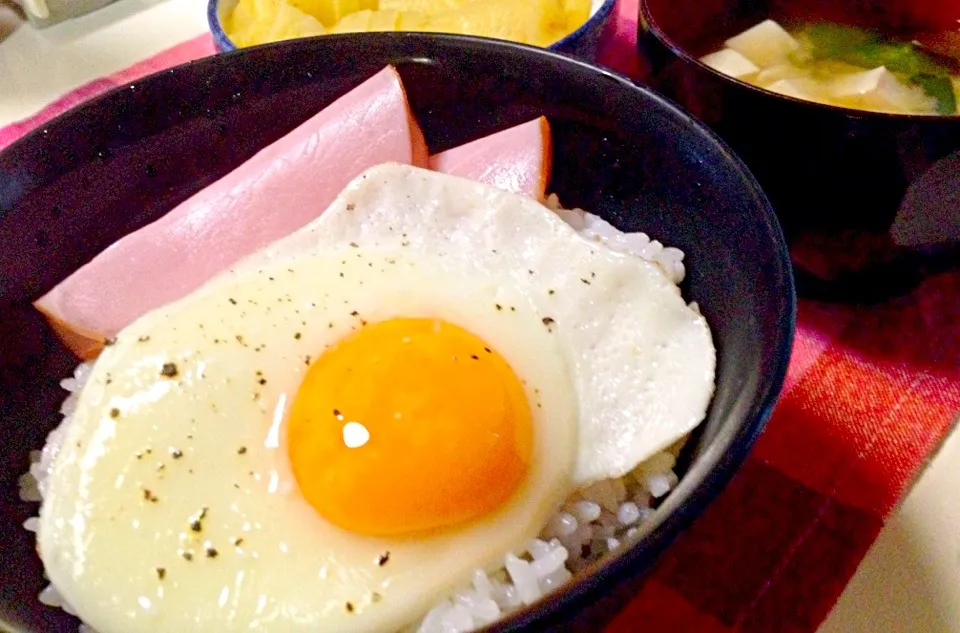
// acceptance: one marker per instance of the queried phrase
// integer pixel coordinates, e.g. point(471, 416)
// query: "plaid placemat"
point(870, 395)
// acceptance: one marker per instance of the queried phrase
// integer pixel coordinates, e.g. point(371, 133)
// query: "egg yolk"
point(409, 425)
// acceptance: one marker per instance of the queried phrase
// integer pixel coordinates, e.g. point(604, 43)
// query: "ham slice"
point(517, 160)
point(279, 190)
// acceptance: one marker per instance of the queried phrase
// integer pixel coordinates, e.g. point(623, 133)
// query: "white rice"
point(596, 228)
point(592, 523)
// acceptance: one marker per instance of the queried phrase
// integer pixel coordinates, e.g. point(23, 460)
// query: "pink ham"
point(280, 189)
point(516, 160)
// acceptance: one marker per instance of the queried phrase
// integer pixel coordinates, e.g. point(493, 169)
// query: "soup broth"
point(840, 65)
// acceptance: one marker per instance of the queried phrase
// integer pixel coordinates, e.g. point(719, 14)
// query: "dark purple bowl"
point(837, 177)
point(114, 164)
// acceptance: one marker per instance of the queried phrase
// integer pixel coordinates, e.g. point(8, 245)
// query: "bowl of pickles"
point(568, 26)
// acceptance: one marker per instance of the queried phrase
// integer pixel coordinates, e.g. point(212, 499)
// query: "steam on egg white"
point(173, 505)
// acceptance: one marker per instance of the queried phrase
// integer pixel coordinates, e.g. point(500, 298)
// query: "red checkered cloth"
point(870, 395)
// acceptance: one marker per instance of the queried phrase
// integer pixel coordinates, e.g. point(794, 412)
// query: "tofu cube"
point(791, 88)
point(730, 63)
point(879, 89)
point(766, 44)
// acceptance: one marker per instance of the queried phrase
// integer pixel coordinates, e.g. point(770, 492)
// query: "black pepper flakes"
point(474, 357)
point(349, 607)
point(196, 524)
point(551, 292)
point(499, 307)
point(114, 413)
point(351, 207)
point(212, 552)
point(107, 342)
point(169, 370)
point(549, 323)
point(143, 339)
point(262, 381)
point(487, 350)
point(237, 542)
point(297, 336)
point(383, 559)
point(176, 453)
point(239, 339)
point(187, 556)
point(354, 245)
point(375, 597)
point(232, 301)
point(354, 313)
point(161, 573)
point(584, 281)
point(242, 450)
point(337, 414)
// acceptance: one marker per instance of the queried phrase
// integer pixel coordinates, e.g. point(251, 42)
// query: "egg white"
point(617, 367)
point(127, 483)
point(643, 361)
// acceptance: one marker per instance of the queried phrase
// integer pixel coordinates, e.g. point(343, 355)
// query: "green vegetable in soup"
point(831, 41)
point(941, 89)
point(867, 49)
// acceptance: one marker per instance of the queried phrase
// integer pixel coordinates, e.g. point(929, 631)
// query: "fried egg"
point(334, 434)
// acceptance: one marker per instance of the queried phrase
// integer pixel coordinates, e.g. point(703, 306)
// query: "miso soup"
point(845, 66)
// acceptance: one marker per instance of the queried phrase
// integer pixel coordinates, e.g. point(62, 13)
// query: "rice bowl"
point(591, 524)
point(637, 551)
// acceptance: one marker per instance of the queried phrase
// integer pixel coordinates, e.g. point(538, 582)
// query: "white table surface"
point(910, 580)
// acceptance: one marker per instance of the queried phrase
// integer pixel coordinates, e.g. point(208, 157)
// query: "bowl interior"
point(580, 41)
point(72, 188)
